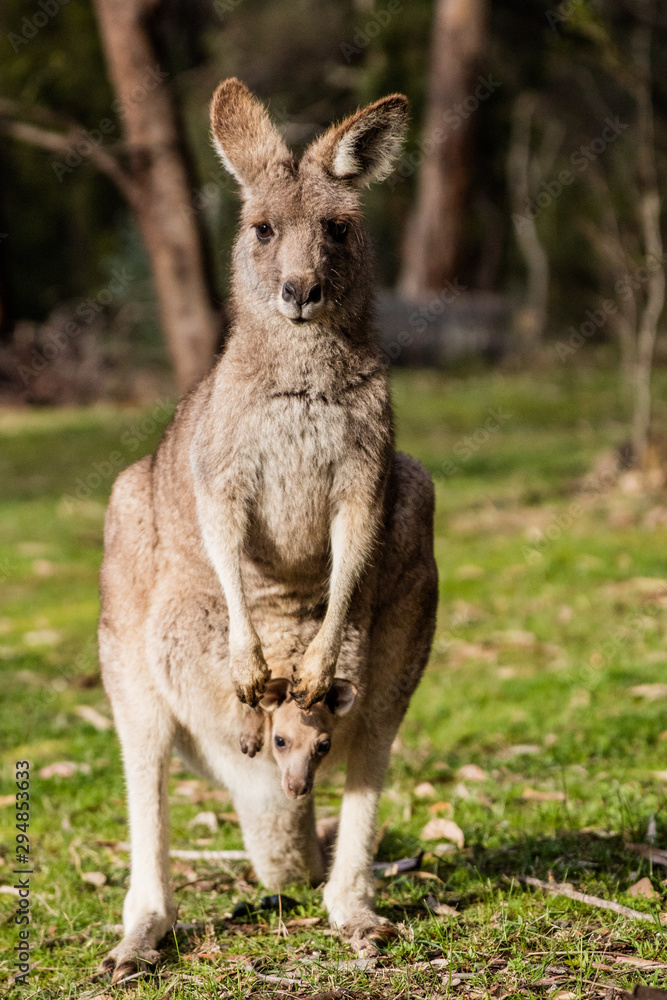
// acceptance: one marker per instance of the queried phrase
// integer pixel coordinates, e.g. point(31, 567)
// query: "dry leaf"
point(439, 807)
point(425, 790)
point(42, 637)
point(471, 772)
point(533, 795)
point(94, 878)
point(9, 890)
point(63, 769)
point(643, 888)
point(442, 849)
point(304, 922)
point(207, 819)
point(515, 637)
point(228, 817)
point(519, 750)
point(443, 829)
point(652, 692)
point(642, 587)
point(440, 909)
point(468, 572)
point(563, 995)
point(95, 718)
point(7, 800)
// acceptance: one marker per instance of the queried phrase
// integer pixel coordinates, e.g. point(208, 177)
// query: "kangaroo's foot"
point(368, 933)
point(137, 952)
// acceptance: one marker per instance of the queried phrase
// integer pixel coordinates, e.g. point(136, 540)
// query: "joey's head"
point(302, 253)
point(301, 739)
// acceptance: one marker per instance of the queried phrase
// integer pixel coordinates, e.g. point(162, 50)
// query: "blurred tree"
point(157, 185)
point(150, 169)
point(434, 232)
point(60, 229)
point(624, 226)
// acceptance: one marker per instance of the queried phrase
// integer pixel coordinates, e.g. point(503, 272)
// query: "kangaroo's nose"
point(299, 293)
point(298, 787)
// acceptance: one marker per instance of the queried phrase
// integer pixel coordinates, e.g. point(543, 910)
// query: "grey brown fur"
point(275, 532)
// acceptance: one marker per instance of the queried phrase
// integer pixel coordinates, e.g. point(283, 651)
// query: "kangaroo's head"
point(300, 740)
point(302, 253)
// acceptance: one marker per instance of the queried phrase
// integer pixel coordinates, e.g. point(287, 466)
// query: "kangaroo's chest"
point(303, 445)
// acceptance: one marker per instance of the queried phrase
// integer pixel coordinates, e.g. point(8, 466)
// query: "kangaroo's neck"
point(313, 358)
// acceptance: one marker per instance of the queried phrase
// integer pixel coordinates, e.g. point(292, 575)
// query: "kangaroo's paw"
point(250, 675)
point(133, 954)
point(368, 933)
point(251, 738)
point(314, 676)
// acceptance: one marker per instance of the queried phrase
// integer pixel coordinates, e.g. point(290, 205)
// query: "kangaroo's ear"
point(340, 697)
point(275, 694)
point(364, 147)
point(243, 134)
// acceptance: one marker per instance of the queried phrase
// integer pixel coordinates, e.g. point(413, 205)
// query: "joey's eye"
point(279, 742)
point(324, 747)
point(264, 232)
point(337, 229)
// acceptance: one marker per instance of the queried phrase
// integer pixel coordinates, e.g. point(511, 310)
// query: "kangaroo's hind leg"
point(145, 729)
point(143, 720)
point(401, 635)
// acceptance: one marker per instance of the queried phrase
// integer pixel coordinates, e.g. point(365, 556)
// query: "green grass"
point(538, 646)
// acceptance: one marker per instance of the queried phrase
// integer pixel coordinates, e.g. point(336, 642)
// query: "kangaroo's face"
point(302, 252)
point(300, 740)
point(302, 249)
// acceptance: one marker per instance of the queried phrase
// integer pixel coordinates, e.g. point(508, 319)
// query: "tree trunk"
point(532, 317)
point(160, 181)
point(434, 232)
point(649, 217)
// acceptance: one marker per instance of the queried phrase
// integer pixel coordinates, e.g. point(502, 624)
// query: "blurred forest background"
point(523, 217)
point(521, 290)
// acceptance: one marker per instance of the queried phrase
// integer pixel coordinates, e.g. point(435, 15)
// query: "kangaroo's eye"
point(279, 742)
point(264, 232)
point(324, 747)
point(337, 230)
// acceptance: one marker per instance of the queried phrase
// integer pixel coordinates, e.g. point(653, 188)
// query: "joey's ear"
point(275, 694)
point(243, 134)
point(340, 697)
point(364, 147)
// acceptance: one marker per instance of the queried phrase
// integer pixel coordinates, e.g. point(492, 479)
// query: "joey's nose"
point(300, 293)
point(298, 787)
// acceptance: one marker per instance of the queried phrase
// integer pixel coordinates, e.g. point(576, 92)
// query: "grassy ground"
point(545, 631)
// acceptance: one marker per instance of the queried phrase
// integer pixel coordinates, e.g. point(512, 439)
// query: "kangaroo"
point(300, 739)
point(274, 531)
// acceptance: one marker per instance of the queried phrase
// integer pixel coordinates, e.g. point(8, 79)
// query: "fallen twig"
point(583, 897)
point(210, 855)
point(653, 854)
point(268, 978)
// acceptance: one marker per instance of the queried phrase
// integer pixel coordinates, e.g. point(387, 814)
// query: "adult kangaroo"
point(274, 533)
